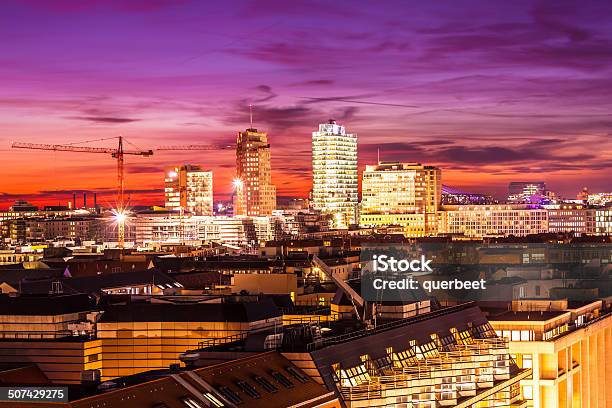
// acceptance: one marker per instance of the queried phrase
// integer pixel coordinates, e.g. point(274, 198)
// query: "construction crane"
point(195, 147)
point(117, 153)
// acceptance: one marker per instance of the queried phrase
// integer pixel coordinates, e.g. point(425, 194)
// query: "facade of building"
point(406, 194)
point(603, 220)
point(240, 231)
point(571, 218)
point(567, 347)
point(141, 337)
point(493, 220)
point(255, 194)
point(521, 192)
point(52, 331)
point(41, 229)
point(189, 188)
point(334, 173)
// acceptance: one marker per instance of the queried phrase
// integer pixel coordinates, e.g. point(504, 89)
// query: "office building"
point(190, 189)
point(334, 173)
point(450, 357)
point(566, 345)
point(405, 194)
point(255, 194)
point(241, 231)
point(521, 192)
point(493, 220)
point(144, 336)
point(603, 220)
point(53, 331)
point(571, 218)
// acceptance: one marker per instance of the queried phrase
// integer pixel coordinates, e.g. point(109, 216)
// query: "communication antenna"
point(251, 114)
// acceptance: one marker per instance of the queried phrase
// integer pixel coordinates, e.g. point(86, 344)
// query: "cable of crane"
point(132, 144)
point(90, 141)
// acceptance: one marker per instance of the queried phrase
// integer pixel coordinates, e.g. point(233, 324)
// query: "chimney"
point(74, 205)
point(85, 200)
point(95, 200)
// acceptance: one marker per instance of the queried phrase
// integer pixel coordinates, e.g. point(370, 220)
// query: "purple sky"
point(490, 91)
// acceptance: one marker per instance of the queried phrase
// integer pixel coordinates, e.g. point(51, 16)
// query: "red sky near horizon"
point(491, 92)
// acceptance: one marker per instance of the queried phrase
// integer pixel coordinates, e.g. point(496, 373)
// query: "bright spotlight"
point(119, 216)
point(237, 183)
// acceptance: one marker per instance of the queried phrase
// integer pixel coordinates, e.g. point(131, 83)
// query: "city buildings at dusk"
point(153, 254)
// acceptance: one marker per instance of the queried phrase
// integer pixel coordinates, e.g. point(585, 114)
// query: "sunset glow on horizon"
point(491, 92)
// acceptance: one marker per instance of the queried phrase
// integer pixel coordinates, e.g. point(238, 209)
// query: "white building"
point(603, 221)
point(493, 220)
point(172, 228)
point(189, 188)
point(334, 172)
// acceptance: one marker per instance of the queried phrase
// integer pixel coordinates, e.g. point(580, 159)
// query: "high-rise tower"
point(189, 188)
point(334, 172)
point(255, 193)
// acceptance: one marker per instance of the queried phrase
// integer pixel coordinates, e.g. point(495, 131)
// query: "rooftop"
point(45, 305)
point(262, 309)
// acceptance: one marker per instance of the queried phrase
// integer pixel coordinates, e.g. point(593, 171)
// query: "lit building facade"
point(237, 231)
point(526, 192)
point(406, 194)
point(571, 218)
point(255, 193)
point(493, 220)
point(189, 188)
point(568, 349)
point(599, 198)
point(142, 337)
point(603, 220)
point(334, 173)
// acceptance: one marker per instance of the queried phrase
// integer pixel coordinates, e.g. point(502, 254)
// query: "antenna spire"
point(251, 114)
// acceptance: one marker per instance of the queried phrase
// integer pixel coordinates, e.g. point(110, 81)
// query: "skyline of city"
point(456, 92)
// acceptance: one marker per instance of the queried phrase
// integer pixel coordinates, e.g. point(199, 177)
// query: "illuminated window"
point(214, 400)
point(527, 361)
point(191, 403)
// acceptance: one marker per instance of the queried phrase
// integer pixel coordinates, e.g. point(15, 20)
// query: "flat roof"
point(536, 316)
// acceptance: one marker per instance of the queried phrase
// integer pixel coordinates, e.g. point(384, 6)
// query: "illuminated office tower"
point(255, 193)
point(189, 188)
point(334, 172)
point(405, 194)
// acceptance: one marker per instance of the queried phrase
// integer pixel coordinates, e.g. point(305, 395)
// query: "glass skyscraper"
point(334, 172)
